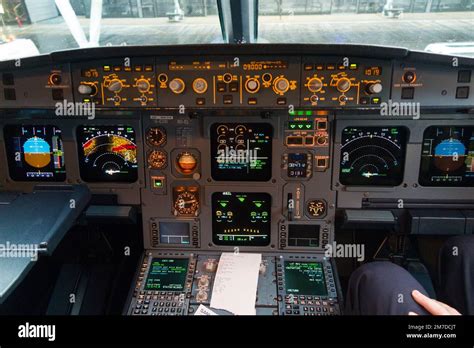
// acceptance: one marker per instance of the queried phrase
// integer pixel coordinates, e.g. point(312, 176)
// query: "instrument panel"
point(252, 152)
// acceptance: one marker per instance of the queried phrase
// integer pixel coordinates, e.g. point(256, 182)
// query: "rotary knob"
point(374, 88)
point(204, 281)
point(281, 85)
point(115, 86)
point(55, 79)
point(87, 89)
point(252, 85)
point(177, 86)
point(343, 85)
point(315, 84)
point(200, 85)
point(143, 85)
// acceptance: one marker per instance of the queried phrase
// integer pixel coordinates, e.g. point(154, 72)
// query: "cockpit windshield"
point(30, 27)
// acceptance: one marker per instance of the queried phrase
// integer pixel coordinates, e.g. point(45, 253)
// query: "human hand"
point(432, 306)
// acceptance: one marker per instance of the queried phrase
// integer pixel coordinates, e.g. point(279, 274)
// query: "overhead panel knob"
point(177, 86)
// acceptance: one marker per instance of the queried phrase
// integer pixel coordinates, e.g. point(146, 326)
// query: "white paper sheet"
point(204, 311)
point(235, 286)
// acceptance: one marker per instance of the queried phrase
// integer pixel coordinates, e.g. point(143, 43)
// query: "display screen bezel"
point(84, 172)
point(290, 288)
point(185, 264)
point(217, 228)
point(59, 176)
point(377, 181)
point(220, 174)
point(426, 164)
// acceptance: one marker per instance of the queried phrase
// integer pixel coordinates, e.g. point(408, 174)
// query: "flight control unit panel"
point(242, 150)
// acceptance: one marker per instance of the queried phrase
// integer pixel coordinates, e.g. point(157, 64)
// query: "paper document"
point(204, 311)
point(235, 286)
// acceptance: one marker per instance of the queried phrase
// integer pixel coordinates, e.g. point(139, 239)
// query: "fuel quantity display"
point(107, 153)
point(447, 156)
point(372, 156)
point(35, 153)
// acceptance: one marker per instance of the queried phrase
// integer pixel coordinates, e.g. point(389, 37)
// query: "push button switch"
point(462, 92)
point(464, 76)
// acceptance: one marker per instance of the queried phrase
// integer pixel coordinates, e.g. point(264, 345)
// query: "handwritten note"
point(202, 310)
point(235, 286)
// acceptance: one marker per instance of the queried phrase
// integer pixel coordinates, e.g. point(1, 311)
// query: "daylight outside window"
point(31, 27)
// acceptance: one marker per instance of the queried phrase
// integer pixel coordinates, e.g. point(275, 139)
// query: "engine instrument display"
point(35, 153)
point(241, 218)
point(305, 278)
point(447, 156)
point(107, 153)
point(373, 156)
point(241, 151)
point(167, 274)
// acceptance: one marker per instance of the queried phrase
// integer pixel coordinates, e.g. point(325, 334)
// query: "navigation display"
point(373, 156)
point(241, 151)
point(305, 278)
point(447, 156)
point(35, 153)
point(107, 153)
point(167, 274)
point(240, 218)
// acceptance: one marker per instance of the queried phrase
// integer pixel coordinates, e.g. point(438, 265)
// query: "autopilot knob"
point(143, 85)
point(115, 86)
point(343, 84)
point(281, 85)
point(374, 88)
point(315, 84)
point(252, 85)
point(87, 89)
point(177, 85)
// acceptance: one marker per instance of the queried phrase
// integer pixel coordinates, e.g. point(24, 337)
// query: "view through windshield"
point(30, 27)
